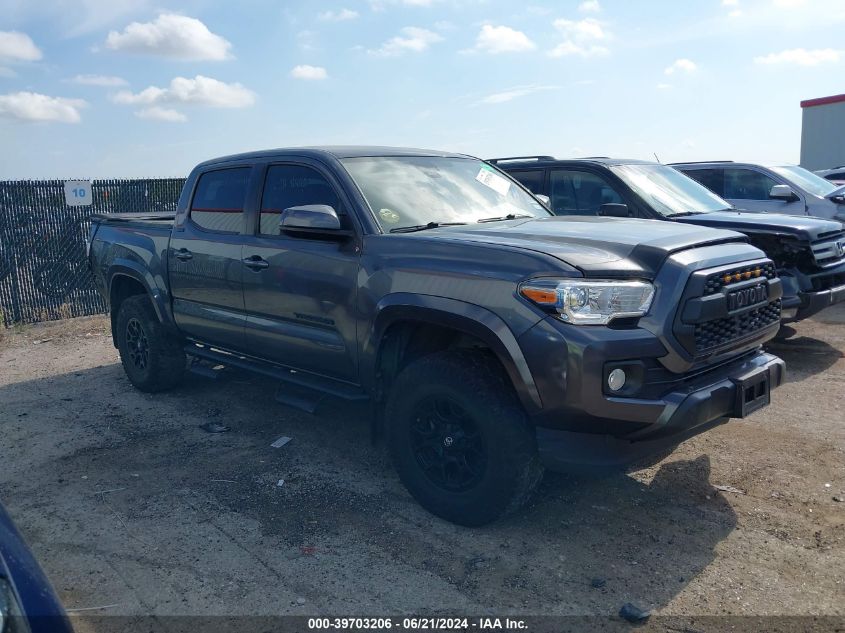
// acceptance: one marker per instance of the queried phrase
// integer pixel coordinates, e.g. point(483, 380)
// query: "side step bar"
point(321, 384)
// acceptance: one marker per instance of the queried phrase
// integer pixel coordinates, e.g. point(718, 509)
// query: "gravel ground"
point(134, 510)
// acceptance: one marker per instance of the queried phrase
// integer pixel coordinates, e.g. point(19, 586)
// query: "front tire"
point(152, 358)
point(460, 439)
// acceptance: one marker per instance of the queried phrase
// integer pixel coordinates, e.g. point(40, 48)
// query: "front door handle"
point(183, 255)
point(256, 263)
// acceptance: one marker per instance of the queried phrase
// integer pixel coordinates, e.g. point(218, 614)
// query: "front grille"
point(716, 281)
point(709, 324)
point(830, 251)
point(714, 334)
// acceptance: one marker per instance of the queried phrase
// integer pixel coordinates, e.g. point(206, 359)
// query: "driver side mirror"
point(614, 210)
point(315, 219)
point(783, 192)
point(545, 200)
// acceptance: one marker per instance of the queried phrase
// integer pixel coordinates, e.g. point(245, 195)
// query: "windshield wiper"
point(509, 216)
point(423, 227)
point(682, 213)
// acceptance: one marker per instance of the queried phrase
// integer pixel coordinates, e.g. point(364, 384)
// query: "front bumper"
point(806, 304)
point(704, 402)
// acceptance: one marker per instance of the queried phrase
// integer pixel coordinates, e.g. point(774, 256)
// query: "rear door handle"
point(183, 255)
point(256, 263)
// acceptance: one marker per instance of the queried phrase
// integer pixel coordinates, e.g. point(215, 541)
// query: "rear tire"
point(460, 439)
point(152, 358)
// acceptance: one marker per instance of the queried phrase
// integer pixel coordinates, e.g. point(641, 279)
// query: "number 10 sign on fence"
point(78, 193)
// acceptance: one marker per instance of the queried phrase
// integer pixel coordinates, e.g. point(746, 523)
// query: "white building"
point(823, 132)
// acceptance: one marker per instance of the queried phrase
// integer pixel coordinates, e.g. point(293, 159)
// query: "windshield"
point(807, 180)
point(669, 191)
point(417, 190)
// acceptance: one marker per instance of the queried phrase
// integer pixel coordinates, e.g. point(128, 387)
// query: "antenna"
point(656, 158)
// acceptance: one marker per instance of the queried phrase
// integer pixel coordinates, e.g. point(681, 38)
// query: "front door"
point(749, 189)
point(205, 267)
point(299, 292)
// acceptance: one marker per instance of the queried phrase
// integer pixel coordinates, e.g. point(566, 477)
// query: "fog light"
point(616, 379)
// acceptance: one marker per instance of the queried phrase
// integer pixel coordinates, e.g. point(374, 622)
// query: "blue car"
point(28, 603)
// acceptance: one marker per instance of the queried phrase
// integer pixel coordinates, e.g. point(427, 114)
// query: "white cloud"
point(200, 91)
point(581, 37)
point(157, 113)
point(513, 93)
point(789, 4)
point(735, 13)
point(682, 65)
point(31, 106)
point(337, 16)
point(412, 39)
point(171, 35)
point(106, 81)
point(801, 57)
point(7, 72)
point(664, 86)
point(730, 3)
point(305, 71)
point(502, 39)
point(589, 6)
point(15, 46)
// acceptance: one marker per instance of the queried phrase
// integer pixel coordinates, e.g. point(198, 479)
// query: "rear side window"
point(580, 192)
point(289, 186)
point(713, 179)
point(532, 179)
point(218, 203)
point(747, 184)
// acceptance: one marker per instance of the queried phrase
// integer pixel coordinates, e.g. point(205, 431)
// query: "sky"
point(148, 88)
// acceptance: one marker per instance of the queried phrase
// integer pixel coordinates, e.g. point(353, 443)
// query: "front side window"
point(414, 191)
point(289, 186)
point(218, 203)
point(747, 184)
point(668, 191)
point(574, 192)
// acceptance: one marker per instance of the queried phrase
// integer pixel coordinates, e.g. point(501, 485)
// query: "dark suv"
point(809, 252)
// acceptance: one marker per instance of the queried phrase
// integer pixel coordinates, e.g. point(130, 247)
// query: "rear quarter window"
point(218, 203)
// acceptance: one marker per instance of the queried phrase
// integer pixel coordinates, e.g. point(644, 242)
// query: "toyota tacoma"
point(492, 338)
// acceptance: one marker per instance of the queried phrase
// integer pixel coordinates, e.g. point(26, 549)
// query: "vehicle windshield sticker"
point(389, 215)
point(499, 184)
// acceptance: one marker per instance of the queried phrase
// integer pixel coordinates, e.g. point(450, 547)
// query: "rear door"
point(205, 267)
point(300, 291)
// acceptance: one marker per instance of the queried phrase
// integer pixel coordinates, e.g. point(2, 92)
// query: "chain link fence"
point(43, 271)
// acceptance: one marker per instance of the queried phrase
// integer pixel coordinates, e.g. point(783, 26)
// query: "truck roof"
point(551, 160)
point(335, 151)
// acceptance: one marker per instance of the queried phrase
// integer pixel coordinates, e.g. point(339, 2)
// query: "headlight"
point(588, 301)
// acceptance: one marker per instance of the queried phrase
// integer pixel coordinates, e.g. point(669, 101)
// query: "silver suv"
point(774, 188)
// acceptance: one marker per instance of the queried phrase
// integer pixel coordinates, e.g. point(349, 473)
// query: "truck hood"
point(594, 245)
point(801, 227)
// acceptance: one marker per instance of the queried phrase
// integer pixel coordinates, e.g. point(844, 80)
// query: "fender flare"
point(464, 317)
point(133, 270)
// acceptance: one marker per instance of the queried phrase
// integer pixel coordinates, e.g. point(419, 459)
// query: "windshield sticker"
point(389, 215)
point(486, 176)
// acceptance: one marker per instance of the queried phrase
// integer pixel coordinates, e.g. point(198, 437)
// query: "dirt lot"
point(133, 509)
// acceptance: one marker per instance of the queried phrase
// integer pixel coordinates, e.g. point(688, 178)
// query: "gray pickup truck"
point(492, 338)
